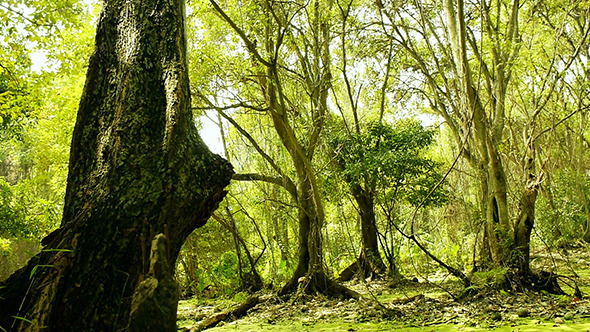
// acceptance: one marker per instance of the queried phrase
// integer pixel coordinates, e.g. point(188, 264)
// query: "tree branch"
point(232, 106)
point(251, 46)
point(288, 185)
point(252, 141)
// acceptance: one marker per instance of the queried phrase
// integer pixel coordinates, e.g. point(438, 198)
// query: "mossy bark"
point(137, 168)
point(155, 300)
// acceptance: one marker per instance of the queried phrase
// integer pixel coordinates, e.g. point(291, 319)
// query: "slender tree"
point(363, 185)
point(384, 166)
point(289, 82)
point(137, 168)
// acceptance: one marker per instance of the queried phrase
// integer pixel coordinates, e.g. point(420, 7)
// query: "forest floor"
point(427, 305)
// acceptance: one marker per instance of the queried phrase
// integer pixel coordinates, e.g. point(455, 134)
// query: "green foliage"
point(33, 163)
point(200, 286)
point(37, 21)
point(563, 219)
point(392, 160)
point(226, 270)
point(23, 215)
point(492, 279)
point(19, 95)
point(455, 254)
point(27, 26)
point(37, 114)
point(14, 253)
point(208, 262)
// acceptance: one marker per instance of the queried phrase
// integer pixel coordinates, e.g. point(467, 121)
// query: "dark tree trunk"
point(137, 168)
point(522, 231)
point(369, 262)
point(520, 275)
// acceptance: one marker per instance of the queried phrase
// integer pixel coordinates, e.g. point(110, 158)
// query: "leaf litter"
point(410, 303)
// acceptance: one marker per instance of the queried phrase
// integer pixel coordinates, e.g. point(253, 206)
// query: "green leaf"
point(57, 250)
point(23, 319)
point(35, 269)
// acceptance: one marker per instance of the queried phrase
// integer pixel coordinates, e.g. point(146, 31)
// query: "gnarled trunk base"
point(155, 300)
point(364, 267)
point(319, 282)
point(518, 281)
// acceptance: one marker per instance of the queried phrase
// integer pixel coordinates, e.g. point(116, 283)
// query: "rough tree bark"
point(137, 168)
point(155, 300)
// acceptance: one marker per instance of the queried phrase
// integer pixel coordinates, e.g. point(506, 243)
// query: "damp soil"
point(427, 303)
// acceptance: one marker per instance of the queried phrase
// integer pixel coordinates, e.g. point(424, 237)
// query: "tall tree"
point(137, 168)
point(362, 184)
point(385, 165)
point(289, 47)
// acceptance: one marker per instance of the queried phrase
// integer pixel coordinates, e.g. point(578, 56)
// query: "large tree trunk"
point(137, 168)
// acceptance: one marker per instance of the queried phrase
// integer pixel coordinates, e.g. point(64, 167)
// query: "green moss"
point(492, 278)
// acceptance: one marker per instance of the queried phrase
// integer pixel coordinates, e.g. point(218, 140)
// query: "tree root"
point(319, 282)
point(515, 280)
point(362, 266)
point(518, 281)
point(228, 315)
point(312, 283)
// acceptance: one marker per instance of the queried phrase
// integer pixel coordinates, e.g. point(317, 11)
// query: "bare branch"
point(251, 139)
point(289, 186)
point(232, 106)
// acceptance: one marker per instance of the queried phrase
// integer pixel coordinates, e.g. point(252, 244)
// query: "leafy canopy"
point(391, 159)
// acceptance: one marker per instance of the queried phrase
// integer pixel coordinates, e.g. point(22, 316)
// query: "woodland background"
point(391, 100)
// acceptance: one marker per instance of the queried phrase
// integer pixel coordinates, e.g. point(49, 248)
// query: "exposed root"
point(320, 283)
point(317, 283)
point(515, 280)
point(364, 267)
point(228, 315)
point(518, 281)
